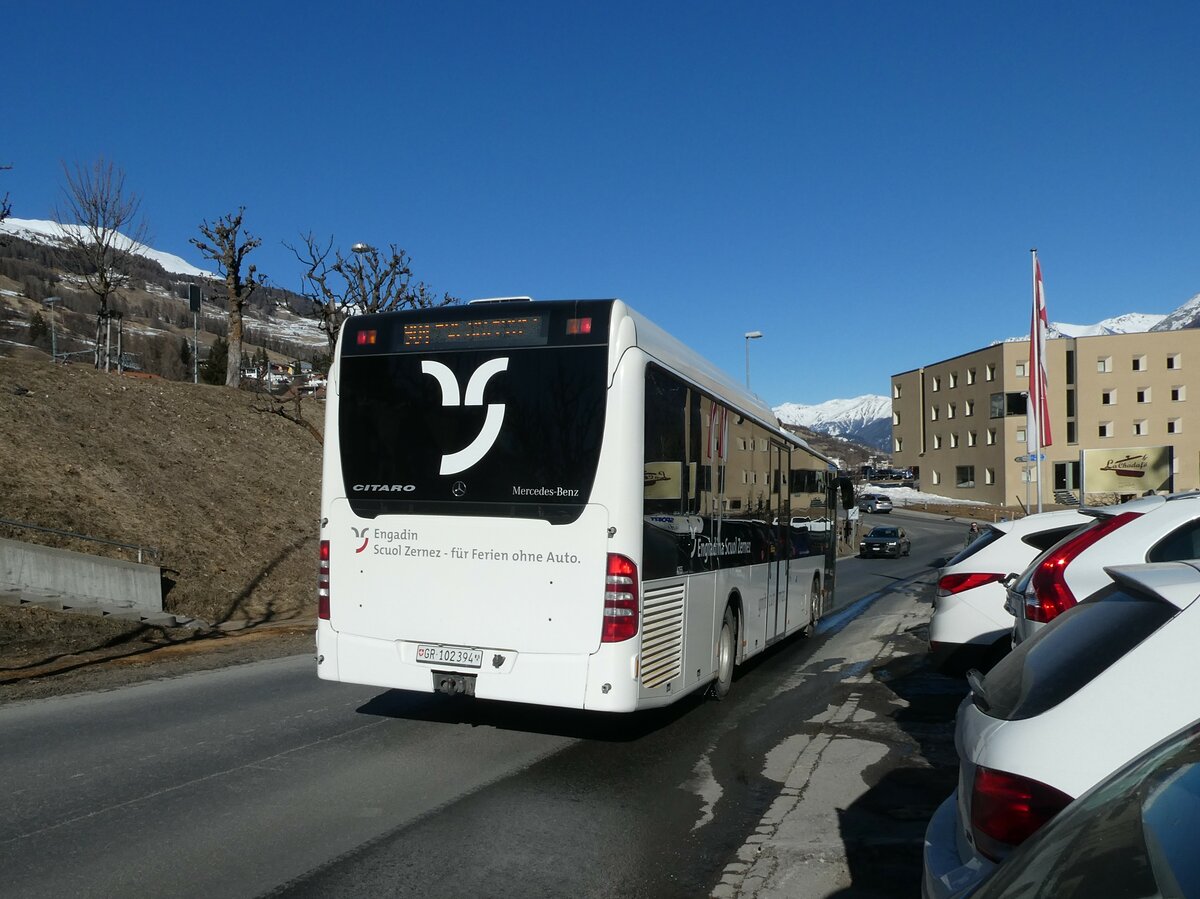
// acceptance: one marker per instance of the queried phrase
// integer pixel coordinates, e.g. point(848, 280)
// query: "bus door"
point(778, 549)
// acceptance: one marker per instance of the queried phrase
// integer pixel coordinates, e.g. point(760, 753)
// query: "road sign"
point(1032, 457)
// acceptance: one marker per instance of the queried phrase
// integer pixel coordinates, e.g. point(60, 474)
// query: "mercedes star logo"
point(459, 489)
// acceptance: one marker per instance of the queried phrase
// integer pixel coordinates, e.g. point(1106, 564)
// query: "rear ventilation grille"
point(662, 635)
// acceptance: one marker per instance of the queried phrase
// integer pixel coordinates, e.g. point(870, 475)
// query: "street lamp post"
point(52, 302)
point(750, 335)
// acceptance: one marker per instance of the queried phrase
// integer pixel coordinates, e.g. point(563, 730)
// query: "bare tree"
point(5, 206)
point(227, 244)
point(101, 229)
point(367, 280)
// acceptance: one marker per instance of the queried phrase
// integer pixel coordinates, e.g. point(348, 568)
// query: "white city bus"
point(556, 502)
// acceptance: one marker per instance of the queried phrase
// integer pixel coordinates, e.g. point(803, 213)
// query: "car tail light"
point(323, 583)
point(1049, 596)
point(1008, 808)
point(949, 584)
point(620, 600)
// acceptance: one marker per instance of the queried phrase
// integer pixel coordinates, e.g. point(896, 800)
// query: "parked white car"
point(1149, 529)
point(1139, 806)
point(970, 624)
point(1104, 681)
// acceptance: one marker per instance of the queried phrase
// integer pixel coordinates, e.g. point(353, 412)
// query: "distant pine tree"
point(38, 329)
point(215, 366)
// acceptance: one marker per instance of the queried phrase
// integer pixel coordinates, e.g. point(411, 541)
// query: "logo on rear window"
point(477, 448)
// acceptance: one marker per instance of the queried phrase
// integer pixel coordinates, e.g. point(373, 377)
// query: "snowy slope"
point(1185, 316)
point(863, 419)
point(38, 231)
point(1129, 323)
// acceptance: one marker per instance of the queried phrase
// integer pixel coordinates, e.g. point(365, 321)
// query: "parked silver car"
point(875, 502)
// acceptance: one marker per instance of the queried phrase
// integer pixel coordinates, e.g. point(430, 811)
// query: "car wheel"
point(726, 654)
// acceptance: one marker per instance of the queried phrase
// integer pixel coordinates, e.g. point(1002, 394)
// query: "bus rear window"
point(510, 432)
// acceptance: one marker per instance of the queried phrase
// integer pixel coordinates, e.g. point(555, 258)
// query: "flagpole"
point(1036, 372)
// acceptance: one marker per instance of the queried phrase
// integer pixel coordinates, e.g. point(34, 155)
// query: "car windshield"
point(883, 532)
point(1069, 652)
point(986, 538)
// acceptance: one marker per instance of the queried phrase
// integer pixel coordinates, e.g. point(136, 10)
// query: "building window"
point(989, 371)
point(1143, 395)
point(1177, 394)
point(1105, 429)
point(953, 379)
point(896, 391)
point(1139, 363)
point(991, 436)
point(968, 408)
point(1071, 435)
point(899, 444)
point(1002, 405)
point(1174, 425)
point(970, 376)
point(1104, 364)
point(937, 441)
point(1174, 361)
point(933, 413)
point(937, 478)
point(972, 438)
point(1020, 435)
point(950, 410)
point(937, 383)
point(1108, 397)
point(895, 418)
point(1021, 369)
point(954, 440)
point(964, 476)
point(989, 476)
point(1140, 429)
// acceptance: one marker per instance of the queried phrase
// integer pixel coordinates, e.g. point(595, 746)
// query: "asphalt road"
point(261, 779)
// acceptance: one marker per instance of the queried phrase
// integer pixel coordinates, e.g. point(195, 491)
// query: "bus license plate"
point(450, 655)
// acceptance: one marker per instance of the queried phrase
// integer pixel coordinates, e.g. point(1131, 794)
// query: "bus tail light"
point(1007, 808)
point(323, 583)
point(1048, 595)
point(620, 600)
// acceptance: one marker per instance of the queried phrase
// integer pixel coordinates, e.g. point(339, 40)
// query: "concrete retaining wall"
point(78, 577)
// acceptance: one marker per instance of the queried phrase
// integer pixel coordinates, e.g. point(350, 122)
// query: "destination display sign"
point(476, 333)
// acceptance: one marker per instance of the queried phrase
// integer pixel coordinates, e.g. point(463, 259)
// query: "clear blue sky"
point(860, 181)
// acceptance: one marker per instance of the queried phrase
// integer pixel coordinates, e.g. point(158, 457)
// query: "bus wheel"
point(726, 654)
point(814, 606)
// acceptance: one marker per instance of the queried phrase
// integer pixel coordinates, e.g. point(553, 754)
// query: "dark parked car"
point(885, 541)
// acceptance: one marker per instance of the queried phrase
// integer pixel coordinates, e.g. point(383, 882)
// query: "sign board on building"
point(1125, 472)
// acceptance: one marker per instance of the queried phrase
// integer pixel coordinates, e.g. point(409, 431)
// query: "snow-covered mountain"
point(864, 419)
point(1129, 323)
point(1186, 316)
point(38, 231)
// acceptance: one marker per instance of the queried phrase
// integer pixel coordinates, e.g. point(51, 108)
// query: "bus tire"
point(726, 654)
point(814, 606)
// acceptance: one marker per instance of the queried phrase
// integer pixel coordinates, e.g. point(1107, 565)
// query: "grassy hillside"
point(227, 493)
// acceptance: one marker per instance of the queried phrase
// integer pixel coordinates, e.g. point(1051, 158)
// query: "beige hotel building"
point(960, 424)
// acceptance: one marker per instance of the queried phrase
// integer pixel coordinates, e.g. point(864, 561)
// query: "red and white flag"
point(1038, 433)
point(718, 432)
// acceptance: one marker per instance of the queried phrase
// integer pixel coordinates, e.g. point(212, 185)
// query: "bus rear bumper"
point(541, 678)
